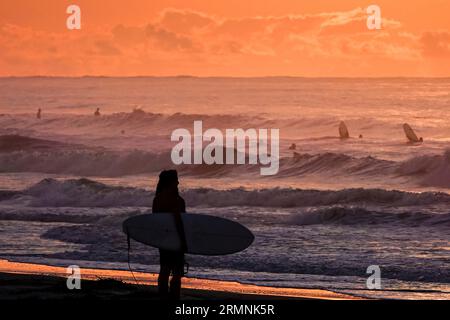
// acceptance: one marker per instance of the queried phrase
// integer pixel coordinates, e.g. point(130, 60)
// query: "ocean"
point(336, 207)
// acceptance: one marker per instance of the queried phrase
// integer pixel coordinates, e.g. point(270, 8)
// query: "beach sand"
point(35, 281)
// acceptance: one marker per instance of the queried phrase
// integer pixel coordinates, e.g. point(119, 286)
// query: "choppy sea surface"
point(336, 207)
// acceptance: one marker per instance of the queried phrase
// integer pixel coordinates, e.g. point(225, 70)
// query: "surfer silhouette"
point(39, 113)
point(97, 112)
point(168, 200)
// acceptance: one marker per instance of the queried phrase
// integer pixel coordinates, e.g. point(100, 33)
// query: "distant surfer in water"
point(97, 112)
point(293, 146)
point(168, 200)
point(39, 113)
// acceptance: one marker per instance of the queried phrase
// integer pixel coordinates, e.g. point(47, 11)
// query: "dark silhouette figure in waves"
point(168, 200)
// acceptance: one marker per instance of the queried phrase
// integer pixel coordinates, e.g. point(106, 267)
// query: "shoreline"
point(36, 281)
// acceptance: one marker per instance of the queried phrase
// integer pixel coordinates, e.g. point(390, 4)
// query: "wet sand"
point(35, 281)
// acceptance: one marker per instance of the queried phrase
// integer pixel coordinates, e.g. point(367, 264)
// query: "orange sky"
point(225, 38)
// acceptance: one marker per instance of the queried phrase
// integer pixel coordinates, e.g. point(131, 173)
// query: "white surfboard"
point(205, 235)
point(343, 131)
point(410, 134)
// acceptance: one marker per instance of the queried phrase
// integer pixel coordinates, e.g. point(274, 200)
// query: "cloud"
point(352, 22)
point(128, 35)
point(184, 21)
point(106, 48)
point(436, 44)
point(168, 40)
point(191, 42)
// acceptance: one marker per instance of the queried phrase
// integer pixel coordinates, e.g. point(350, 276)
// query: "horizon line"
point(227, 77)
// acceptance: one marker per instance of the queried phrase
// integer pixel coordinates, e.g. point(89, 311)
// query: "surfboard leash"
point(129, 250)
point(186, 264)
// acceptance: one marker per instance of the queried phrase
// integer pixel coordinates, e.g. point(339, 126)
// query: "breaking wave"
point(86, 201)
point(23, 154)
point(88, 193)
point(359, 215)
point(432, 170)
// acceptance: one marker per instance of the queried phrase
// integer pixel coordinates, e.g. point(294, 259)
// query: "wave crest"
point(362, 216)
point(88, 193)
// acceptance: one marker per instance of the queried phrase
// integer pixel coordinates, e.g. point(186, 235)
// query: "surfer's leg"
point(177, 274)
point(164, 274)
point(163, 282)
point(175, 287)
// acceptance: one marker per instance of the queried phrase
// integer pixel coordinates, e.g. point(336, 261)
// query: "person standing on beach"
point(168, 200)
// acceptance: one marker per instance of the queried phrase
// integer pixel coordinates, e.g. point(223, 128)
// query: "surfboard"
point(410, 134)
point(205, 234)
point(343, 131)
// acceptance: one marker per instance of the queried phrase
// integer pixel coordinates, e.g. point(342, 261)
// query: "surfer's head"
point(168, 181)
point(421, 139)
